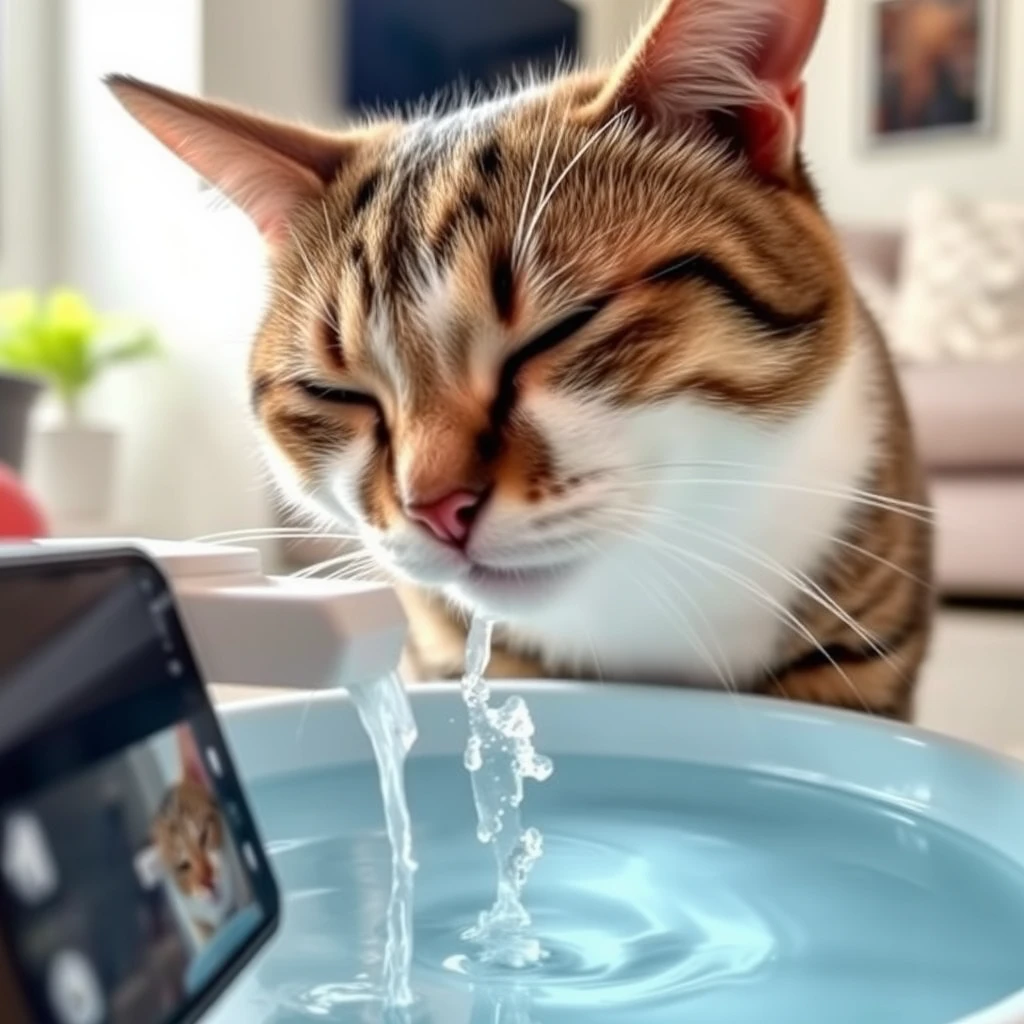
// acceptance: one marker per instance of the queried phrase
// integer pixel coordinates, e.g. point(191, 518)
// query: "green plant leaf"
point(69, 313)
point(130, 347)
point(65, 341)
point(19, 311)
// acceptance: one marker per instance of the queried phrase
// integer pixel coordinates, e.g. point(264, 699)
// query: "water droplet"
point(474, 759)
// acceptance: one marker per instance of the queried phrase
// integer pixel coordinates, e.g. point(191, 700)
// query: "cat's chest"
point(703, 602)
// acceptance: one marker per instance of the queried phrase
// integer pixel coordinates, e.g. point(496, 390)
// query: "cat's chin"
point(509, 591)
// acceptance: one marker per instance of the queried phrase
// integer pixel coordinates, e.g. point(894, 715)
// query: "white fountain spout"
point(250, 629)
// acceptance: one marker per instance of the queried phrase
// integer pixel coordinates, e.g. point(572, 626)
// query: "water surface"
point(667, 893)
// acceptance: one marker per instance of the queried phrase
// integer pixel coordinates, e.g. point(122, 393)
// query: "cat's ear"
point(734, 65)
point(266, 167)
point(192, 768)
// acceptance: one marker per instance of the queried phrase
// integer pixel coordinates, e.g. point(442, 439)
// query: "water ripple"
point(611, 936)
point(668, 894)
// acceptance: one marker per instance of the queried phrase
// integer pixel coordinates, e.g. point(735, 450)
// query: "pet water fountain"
point(706, 858)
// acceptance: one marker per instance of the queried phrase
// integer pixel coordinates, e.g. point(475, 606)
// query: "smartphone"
point(133, 882)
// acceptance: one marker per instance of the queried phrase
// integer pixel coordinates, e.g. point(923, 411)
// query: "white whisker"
point(799, 580)
point(275, 533)
point(327, 223)
point(306, 262)
point(555, 150)
point(888, 563)
point(719, 665)
point(529, 185)
point(721, 669)
point(329, 563)
point(845, 494)
point(611, 123)
point(831, 487)
point(785, 616)
point(306, 305)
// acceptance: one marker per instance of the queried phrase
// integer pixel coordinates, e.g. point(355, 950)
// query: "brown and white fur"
point(606, 316)
point(191, 837)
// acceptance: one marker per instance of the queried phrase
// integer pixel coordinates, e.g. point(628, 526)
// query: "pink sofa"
point(969, 419)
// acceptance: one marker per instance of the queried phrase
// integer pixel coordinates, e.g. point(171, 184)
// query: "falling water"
point(387, 718)
point(499, 756)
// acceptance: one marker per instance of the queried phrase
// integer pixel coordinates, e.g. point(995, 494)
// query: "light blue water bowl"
point(708, 860)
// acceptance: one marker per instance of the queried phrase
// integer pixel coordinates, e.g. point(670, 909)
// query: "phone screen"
point(133, 884)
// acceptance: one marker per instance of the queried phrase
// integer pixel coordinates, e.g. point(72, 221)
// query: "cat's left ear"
point(733, 65)
point(269, 168)
point(192, 767)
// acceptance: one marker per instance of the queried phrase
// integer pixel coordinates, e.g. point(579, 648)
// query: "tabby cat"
point(190, 836)
point(585, 357)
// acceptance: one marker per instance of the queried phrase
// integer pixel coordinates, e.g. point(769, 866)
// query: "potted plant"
point(63, 341)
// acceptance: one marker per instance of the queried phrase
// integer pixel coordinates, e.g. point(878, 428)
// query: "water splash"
point(503, 1006)
point(387, 717)
point(499, 755)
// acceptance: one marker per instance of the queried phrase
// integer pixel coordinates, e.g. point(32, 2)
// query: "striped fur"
point(612, 305)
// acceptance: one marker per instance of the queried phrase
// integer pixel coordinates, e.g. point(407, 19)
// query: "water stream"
point(387, 718)
point(500, 755)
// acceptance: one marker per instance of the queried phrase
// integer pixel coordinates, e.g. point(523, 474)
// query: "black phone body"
point(107, 914)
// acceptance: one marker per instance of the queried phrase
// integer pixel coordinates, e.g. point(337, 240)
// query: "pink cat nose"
point(450, 519)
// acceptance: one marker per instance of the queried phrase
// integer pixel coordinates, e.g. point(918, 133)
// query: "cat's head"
point(495, 331)
point(188, 831)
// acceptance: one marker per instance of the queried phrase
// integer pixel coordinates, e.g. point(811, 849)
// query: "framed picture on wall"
point(931, 69)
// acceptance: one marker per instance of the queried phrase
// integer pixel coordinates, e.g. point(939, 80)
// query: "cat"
point(190, 835)
point(585, 357)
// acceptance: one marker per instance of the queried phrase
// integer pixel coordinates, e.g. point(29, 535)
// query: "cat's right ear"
point(268, 168)
point(735, 67)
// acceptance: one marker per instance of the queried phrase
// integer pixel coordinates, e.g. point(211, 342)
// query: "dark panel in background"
point(402, 50)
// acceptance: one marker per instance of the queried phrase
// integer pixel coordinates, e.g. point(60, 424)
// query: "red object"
point(20, 516)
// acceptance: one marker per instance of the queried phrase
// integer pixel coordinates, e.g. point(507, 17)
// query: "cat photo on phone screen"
point(191, 837)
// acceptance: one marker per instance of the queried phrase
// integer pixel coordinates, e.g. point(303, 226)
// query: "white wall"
point(608, 25)
point(281, 57)
point(27, 221)
point(873, 186)
point(138, 236)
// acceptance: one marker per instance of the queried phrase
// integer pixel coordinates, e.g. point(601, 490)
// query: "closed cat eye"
point(336, 396)
point(557, 334)
point(183, 867)
point(560, 332)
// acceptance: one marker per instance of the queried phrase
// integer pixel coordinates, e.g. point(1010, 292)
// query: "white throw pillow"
point(877, 294)
point(962, 281)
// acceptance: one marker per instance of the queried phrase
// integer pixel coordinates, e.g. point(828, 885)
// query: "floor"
point(973, 686)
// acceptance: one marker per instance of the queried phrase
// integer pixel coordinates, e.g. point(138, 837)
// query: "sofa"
point(969, 421)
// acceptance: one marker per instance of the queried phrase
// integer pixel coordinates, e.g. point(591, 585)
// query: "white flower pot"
point(74, 470)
